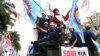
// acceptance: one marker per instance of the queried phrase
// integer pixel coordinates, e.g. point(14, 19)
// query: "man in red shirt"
point(58, 19)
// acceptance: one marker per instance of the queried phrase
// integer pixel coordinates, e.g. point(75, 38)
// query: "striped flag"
point(32, 9)
point(75, 20)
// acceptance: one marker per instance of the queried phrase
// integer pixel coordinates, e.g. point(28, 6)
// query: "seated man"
point(52, 39)
point(50, 32)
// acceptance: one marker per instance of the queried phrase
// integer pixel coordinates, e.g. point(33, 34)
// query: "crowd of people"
point(51, 33)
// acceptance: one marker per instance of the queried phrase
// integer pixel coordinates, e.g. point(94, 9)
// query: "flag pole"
point(40, 6)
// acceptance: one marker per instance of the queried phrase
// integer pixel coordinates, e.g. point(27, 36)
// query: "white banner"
point(68, 51)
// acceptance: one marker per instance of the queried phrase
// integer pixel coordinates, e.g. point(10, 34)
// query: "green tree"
point(5, 18)
point(15, 38)
point(94, 20)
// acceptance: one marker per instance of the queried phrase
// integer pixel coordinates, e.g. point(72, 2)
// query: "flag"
point(86, 4)
point(75, 20)
point(48, 8)
point(32, 9)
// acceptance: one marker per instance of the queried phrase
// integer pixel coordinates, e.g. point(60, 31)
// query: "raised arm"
point(93, 36)
point(41, 29)
point(66, 16)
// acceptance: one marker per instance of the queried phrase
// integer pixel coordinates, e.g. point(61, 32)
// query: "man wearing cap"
point(75, 38)
point(41, 22)
point(46, 27)
point(88, 36)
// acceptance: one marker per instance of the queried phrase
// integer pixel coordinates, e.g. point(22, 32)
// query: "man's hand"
point(41, 29)
point(98, 33)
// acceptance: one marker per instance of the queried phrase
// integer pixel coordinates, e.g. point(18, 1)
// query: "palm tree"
point(15, 38)
point(5, 18)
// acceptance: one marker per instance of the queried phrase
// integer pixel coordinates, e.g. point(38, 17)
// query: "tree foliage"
point(5, 18)
point(15, 38)
point(94, 21)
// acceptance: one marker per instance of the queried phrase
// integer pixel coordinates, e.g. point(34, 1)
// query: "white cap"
point(45, 22)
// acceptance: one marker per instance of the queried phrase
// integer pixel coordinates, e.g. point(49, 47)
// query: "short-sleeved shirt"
point(88, 36)
point(42, 21)
point(75, 36)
